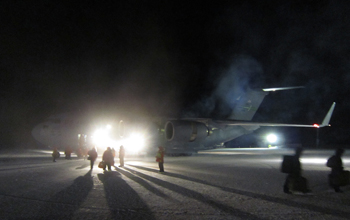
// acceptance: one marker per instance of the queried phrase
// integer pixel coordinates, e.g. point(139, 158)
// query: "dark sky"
point(167, 58)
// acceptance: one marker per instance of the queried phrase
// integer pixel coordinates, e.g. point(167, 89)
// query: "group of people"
point(290, 165)
point(294, 181)
point(108, 157)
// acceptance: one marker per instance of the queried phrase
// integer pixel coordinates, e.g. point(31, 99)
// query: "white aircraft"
point(179, 136)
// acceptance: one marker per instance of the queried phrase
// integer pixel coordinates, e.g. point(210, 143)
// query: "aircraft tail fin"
point(248, 102)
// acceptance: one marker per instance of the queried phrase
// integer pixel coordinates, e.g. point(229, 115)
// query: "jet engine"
point(181, 130)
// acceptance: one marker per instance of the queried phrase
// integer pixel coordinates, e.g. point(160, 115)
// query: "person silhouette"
point(108, 158)
point(92, 157)
point(121, 155)
point(294, 179)
point(160, 158)
point(336, 164)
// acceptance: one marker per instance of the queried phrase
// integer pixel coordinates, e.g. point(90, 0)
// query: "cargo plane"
point(179, 136)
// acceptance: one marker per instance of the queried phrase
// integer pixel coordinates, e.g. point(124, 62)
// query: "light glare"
point(135, 143)
point(271, 138)
point(101, 137)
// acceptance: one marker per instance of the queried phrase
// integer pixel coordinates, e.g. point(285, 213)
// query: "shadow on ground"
point(64, 203)
point(196, 195)
point(83, 166)
point(283, 201)
point(123, 201)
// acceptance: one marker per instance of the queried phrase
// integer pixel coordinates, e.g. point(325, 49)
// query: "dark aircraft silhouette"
point(179, 136)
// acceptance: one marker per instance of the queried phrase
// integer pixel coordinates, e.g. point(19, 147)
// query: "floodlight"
point(271, 138)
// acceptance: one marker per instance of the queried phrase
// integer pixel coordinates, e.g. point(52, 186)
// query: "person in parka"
point(108, 158)
point(121, 156)
point(92, 157)
point(160, 158)
point(336, 164)
point(294, 177)
point(55, 154)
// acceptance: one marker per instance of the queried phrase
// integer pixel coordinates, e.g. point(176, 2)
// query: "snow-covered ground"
point(216, 184)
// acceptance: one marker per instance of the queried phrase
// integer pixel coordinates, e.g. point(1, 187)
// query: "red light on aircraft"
point(316, 125)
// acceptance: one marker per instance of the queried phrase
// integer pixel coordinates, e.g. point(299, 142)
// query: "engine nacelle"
point(181, 130)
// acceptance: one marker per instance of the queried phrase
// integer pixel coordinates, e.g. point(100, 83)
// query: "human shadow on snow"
point(83, 166)
point(143, 183)
point(197, 196)
point(123, 201)
point(282, 201)
point(64, 203)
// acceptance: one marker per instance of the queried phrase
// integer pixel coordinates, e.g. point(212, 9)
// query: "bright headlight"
point(271, 138)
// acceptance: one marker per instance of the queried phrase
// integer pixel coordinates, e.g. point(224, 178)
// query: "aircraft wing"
point(325, 122)
point(236, 123)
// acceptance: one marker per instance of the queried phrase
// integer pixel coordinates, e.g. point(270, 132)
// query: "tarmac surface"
point(216, 184)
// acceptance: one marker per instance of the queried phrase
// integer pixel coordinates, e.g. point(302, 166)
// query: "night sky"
point(169, 58)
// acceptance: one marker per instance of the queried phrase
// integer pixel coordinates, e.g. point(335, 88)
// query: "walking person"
point(338, 176)
point(108, 158)
point(160, 158)
point(121, 156)
point(113, 152)
point(68, 152)
point(92, 157)
point(294, 180)
point(55, 154)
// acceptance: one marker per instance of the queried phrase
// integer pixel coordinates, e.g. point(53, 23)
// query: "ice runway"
point(217, 184)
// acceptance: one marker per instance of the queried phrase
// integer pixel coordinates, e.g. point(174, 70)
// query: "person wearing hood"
point(294, 178)
point(338, 177)
point(160, 158)
point(92, 157)
point(108, 158)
